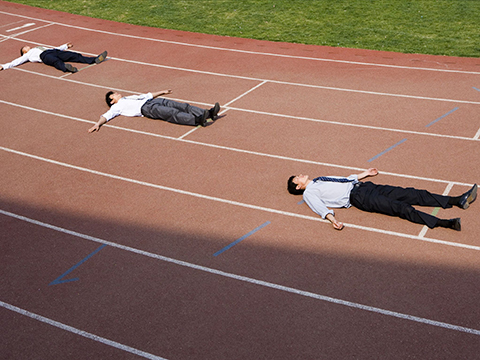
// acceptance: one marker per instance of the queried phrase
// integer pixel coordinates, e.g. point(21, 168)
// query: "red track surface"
point(165, 199)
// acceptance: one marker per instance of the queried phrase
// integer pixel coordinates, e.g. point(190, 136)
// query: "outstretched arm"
point(97, 126)
point(160, 93)
point(367, 173)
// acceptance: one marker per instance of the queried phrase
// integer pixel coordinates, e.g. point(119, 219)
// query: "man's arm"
point(367, 173)
point(337, 225)
point(160, 93)
point(97, 126)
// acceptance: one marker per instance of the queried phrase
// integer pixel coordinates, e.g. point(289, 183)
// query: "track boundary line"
point(280, 157)
point(246, 279)
point(244, 51)
point(79, 332)
point(235, 203)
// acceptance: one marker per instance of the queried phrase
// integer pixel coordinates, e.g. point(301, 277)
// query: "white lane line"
point(249, 51)
point(20, 27)
point(251, 280)
point(445, 193)
point(406, 176)
point(79, 332)
point(477, 135)
point(228, 103)
point(13, 36)
point(233, 202)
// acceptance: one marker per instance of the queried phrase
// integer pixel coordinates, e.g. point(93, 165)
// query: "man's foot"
point(71, 68)
point(212, 113)
point(202, 119)
point(455, 224)
point(468, 198)
point(101, 58)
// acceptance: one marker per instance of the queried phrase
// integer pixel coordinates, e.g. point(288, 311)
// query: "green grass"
point(441, 27)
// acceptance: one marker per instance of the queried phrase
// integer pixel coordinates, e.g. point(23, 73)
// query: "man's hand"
point(97, 126)
point(1, 68)
point(69, 45)
point(337, 225)
point(372, 172)
point(94, 128)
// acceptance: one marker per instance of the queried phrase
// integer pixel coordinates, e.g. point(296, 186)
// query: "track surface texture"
point(153, 240)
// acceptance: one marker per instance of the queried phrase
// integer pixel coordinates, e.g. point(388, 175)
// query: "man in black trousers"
point(323, 193)
point(57, 57)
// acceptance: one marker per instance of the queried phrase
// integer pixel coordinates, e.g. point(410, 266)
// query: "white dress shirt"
point(33, 55)
point(128, 106)
point(321, 195)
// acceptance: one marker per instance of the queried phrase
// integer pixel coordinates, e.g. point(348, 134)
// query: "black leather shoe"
point(212, 113)
point(456, 224)
point(101, 58)
point(202, 119)
point(71, 68)
point(468, 198)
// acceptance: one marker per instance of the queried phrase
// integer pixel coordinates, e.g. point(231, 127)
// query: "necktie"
point(340, 180)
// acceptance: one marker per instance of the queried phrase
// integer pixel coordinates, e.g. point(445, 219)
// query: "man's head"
point(112, 97)
point(24, 50)
point(297, 183)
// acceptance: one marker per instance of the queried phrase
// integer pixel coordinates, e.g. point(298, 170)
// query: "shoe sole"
point(101, 58)
point(471, 198)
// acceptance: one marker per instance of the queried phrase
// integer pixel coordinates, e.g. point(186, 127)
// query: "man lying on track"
point(154, 107)
point(54, 57)
point(337, 192)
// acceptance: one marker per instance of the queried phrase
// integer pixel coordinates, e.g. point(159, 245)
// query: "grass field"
point(440, 27)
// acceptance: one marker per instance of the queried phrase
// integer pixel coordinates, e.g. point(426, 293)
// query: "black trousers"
point(397, 201)
point(58, 58)
point(171, 111)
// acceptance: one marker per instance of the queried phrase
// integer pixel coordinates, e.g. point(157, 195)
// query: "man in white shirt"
point(153, 106)
point(324, 192)
point(54, 57)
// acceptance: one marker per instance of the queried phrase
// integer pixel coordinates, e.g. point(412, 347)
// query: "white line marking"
point(79, 332)
point(13, 37)
point(250, 280)
point(246, 93)
point(187, 133)
point(248, 51)
point(233, 202)
point(477, 135)
point(236, 149)
point(20, 27)
point(445, 193)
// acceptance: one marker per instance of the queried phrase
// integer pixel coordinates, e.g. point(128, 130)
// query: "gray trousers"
point(171, 111)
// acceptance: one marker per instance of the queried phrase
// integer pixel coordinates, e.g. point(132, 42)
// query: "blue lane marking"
point(301, 202)
point(441, 117)
point(242, 238)
point(385, 151)
point(476, 88)
point(59, 279)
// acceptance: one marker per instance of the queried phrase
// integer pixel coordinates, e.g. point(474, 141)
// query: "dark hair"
point(292, 187)
point(21, 50)
point(107, 98)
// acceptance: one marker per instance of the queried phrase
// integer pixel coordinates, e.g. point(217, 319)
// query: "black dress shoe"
point(202, 119)
point(71, 68)
point(101, 58)
point(456, 224)
point(468, 197)
point(212, 113)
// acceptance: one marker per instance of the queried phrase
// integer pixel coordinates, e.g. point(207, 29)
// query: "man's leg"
point(70, 56)
point(393, 201)
point(172, 111)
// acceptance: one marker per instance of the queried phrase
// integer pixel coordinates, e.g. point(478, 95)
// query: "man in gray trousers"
point(153, 106)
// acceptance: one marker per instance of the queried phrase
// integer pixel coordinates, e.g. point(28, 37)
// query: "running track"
point(151, 240)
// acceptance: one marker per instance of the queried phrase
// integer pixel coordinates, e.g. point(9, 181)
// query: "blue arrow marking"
point(59, 279)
